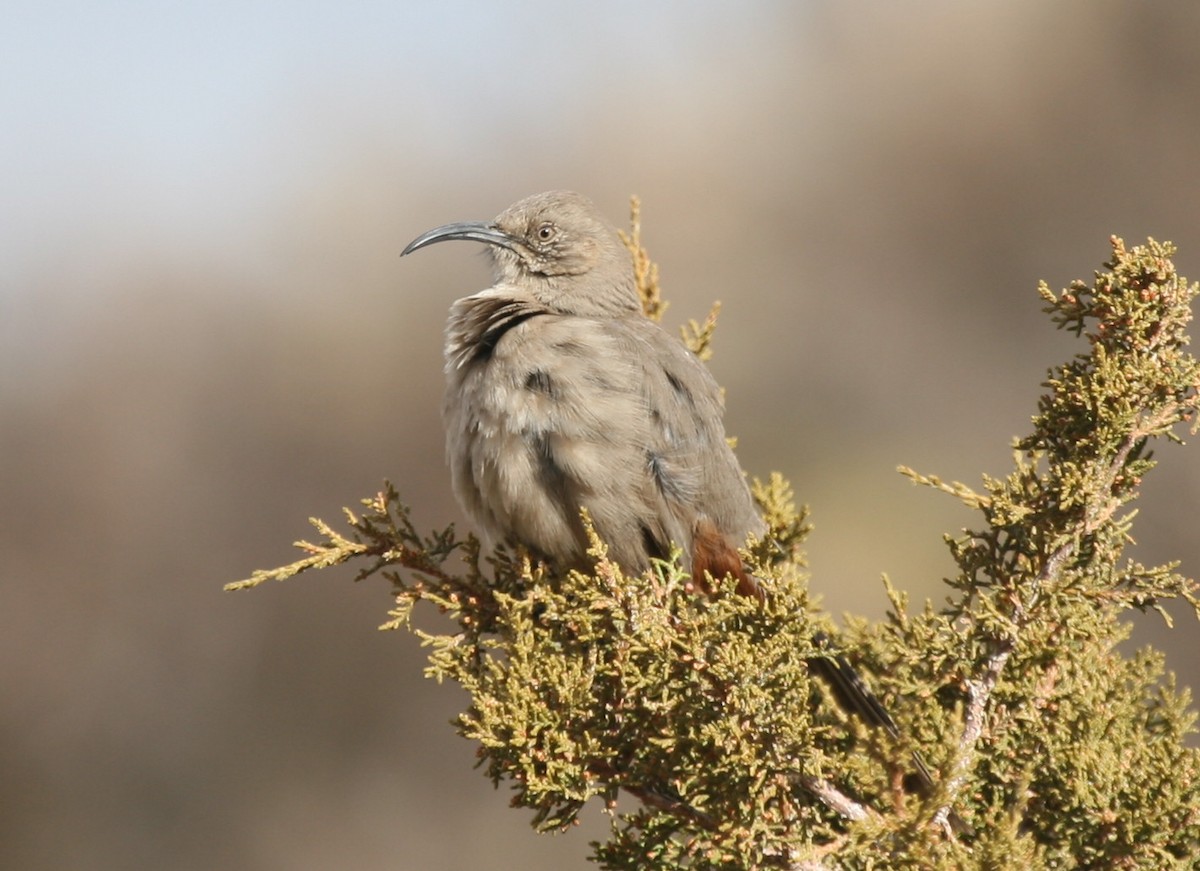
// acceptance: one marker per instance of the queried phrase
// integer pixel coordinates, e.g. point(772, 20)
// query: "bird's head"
point(557, 247)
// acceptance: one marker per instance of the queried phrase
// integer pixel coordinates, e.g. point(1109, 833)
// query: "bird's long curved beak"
point(475, 231)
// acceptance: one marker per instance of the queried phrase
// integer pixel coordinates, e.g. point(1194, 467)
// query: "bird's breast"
point(544, 416)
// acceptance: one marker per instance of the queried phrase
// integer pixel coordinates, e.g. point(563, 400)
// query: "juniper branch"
point(591, 684)
point(1052, 530)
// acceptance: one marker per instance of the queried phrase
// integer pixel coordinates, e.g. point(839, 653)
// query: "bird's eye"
point(545, 232)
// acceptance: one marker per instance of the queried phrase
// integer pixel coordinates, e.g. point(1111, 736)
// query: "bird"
point(562, 397)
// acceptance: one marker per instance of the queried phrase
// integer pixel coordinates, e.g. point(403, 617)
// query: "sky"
point(150, 115)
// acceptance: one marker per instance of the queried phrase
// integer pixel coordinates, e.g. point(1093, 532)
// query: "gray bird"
point(562, 395)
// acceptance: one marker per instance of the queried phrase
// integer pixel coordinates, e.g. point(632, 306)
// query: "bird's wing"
point(696, 477)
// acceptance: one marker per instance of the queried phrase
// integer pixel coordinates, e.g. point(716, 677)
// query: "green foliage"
point(695, 719)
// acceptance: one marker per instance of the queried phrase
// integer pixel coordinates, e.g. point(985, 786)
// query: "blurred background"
point(207, 336)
